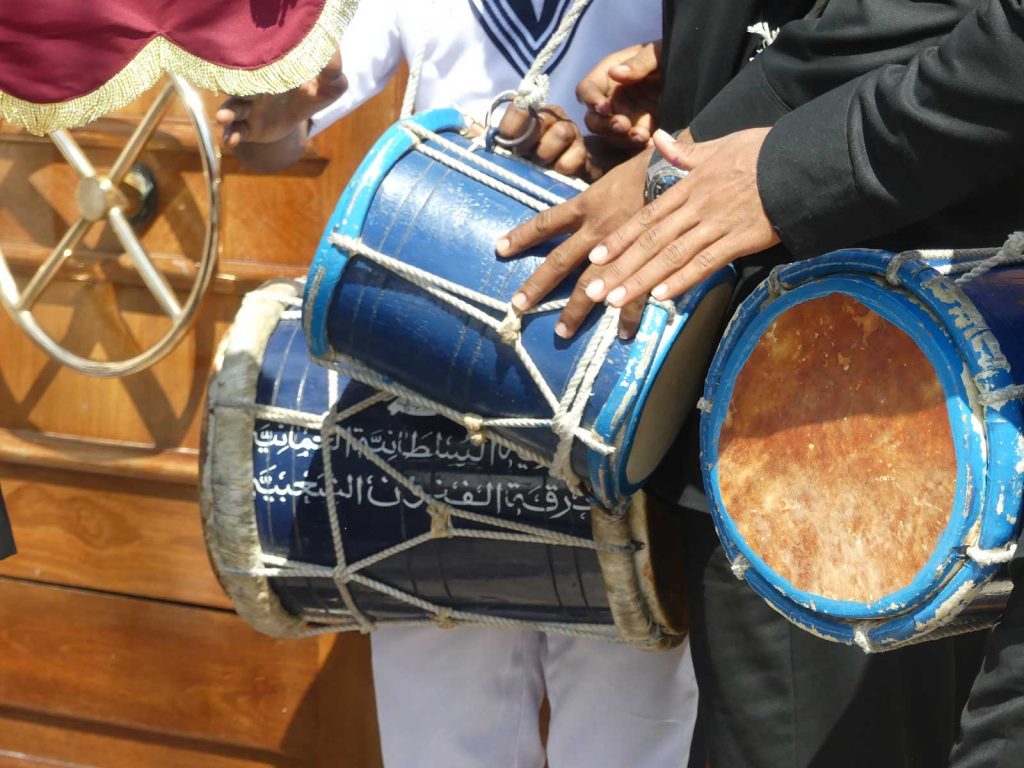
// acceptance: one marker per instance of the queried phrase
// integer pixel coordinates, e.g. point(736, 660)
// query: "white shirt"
point(475, 49)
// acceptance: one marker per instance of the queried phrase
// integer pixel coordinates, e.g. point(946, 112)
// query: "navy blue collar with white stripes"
point(518, 32)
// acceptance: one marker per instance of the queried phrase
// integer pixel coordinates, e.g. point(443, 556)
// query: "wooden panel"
point(115, 458)
point(152, 666)
point(348, 735)
point(102, 533)
point(27, 739)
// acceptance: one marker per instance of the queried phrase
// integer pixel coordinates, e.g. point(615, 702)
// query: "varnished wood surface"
point(155, 666)
point(30, 739)
point(124, 537)
point(117, 647)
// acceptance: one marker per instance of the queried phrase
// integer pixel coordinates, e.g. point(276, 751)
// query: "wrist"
point(661, 174)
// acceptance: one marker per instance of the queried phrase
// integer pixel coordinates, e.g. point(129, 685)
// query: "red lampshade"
point(66, 62)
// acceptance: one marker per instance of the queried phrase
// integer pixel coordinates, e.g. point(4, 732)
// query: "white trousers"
point(469, 698)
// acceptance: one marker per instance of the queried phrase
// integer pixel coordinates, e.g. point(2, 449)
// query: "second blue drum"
point(406, 293)
point(330, 506)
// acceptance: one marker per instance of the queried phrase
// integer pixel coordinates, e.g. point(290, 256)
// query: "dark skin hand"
point(590, 218)
point(706, 221)
point(269, 132)
point(552, 139)
point(622, 94)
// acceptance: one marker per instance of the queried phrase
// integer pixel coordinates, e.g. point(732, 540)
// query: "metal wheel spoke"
point(142, 134)
point(151, 276)
point(49, 268)
point(73, 154)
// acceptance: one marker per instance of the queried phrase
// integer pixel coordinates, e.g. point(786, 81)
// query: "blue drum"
point(329, 506)
point(406, 294)
point(862, 442)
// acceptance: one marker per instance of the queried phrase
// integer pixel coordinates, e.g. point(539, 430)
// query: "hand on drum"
point(588, 218)
point(621, 95)
point(704, 222)
point(547, 136)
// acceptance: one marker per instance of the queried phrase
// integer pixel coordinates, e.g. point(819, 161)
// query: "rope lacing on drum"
point(443, 519)
point(988, 557)
point(1012, 252)
point(567, 411)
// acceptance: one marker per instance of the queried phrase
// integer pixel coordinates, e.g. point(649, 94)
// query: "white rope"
point(413, 86)
point(425, 9)
point(567, 412)
point(987, 557)
point(862, 637)
point(533, 91)
point(470, 158)
point(739, 567)
point(1012, 252)
point(895, 263)
point(442, 515)
point(1001, 396)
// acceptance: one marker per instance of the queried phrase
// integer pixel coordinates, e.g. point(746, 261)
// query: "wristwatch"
point(661, 175)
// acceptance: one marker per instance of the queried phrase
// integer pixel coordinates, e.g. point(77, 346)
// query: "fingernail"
point(503, 245)
point(624, 334)
point(615, 297)
point(595, 289)
point(598, 255)
point(604, 108)
point(663, 135)
point(621, 70)
point(660, 291)
point(562, 331)
point(519, 301)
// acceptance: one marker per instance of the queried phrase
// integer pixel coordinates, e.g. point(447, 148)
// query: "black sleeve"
point(903, 141)
point(812, 56)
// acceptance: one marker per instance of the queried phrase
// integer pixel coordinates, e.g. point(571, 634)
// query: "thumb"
point(640, 66)
point(682, 154)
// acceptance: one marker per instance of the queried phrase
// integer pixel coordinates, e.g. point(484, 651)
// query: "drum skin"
point(265, 361)
point(415, 209)
point(858, 441)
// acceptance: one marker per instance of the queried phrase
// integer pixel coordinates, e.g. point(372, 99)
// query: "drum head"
point(837, 462)
point(676, 386)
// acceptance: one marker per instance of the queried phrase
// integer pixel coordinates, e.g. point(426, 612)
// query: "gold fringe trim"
point(302, 63)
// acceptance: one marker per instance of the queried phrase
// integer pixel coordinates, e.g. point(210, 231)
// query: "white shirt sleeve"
point(371, 50)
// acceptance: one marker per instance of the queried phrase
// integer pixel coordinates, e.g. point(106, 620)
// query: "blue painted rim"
point(642, 369)
point(999, 485)
point(350, 214)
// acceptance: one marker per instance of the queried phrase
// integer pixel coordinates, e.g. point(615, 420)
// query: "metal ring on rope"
point(100, 198)
point(509, 97)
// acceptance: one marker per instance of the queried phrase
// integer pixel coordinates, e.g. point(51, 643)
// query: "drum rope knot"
point(511, 327)
point(533, 90)
point(987, 557)
point(475, 428)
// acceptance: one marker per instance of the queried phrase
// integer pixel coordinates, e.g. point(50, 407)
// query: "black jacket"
point(898, 124)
